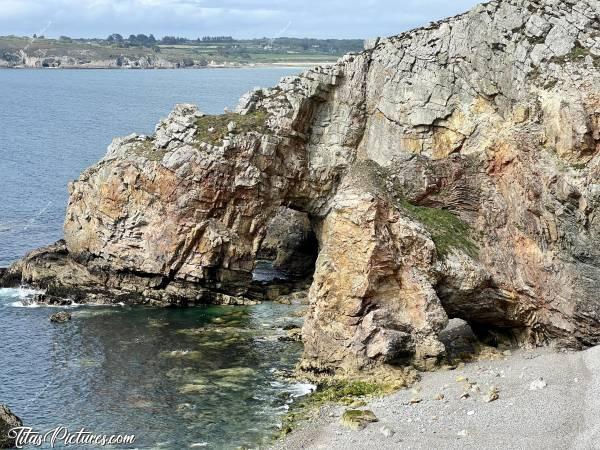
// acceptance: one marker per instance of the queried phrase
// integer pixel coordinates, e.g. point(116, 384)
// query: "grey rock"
point(386, 431)
point(60, 317)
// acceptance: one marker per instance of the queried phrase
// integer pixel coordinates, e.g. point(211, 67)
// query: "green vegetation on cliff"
point(147, 150)
point(212, 129)
point(447, 230)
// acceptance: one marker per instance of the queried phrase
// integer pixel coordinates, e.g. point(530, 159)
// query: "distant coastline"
point(142, 52)
point(283, 64)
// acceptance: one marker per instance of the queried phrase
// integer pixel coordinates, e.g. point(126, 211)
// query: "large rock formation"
point(8, 421)
point(450, 171)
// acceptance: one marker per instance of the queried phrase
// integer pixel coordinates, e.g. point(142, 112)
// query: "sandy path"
point(564, 414)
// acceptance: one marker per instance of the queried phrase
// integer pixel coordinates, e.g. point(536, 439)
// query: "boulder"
point(357, 419)
point(60, 317)
point(7, 421)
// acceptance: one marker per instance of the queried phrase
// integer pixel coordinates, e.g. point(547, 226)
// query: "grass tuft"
point(255, 121)
point(147, 150)
point(447, 230)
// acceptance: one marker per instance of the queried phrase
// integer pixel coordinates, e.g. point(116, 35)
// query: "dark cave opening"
point(289, 250)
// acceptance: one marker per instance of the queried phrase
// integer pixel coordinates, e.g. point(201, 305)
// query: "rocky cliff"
point(450, 171)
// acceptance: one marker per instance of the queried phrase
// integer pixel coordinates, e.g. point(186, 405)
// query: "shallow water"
point(172, 376)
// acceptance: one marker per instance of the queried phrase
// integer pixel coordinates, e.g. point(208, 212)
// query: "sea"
point(207, 377)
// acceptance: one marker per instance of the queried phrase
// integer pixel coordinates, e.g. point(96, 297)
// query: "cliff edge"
point(450, 171)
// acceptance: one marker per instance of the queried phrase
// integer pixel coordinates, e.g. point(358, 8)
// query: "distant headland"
point(147, 52)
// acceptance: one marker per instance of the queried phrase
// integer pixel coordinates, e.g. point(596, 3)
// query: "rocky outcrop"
point(450, 171)
point(83, 59)
point(60, 317)
point(7, 421)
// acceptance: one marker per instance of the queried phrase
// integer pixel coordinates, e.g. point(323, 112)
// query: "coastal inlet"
point(212, 376)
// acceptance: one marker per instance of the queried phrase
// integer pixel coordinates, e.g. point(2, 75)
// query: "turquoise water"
point(205, 377)
point(173, 377)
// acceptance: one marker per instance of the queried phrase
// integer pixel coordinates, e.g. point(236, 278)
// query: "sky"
point(238, 18)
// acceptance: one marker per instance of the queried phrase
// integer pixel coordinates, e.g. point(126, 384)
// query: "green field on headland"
point(143, 51)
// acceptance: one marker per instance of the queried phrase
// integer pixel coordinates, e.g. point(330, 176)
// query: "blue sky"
point(238, 18)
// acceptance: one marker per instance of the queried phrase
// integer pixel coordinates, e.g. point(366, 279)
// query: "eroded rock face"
point(373, 297)
point(451, 171)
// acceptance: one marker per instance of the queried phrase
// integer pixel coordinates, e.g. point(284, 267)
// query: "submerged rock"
point(450, 171)
point(193, 388)
point(235, 372)
point(60, 317)
point(7, 421)
point(292, 335)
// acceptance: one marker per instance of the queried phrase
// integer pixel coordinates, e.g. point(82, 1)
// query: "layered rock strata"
point(450, 171)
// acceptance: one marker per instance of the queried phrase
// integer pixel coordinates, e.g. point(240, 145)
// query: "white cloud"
point(239, 18)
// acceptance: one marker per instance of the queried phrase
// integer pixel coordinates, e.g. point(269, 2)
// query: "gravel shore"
point(547, 399)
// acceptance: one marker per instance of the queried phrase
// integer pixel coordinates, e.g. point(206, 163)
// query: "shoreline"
point(280, 65)
point(435, 413)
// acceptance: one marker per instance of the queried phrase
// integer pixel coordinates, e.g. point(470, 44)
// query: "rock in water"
point(294, 335)
point(60, 317)
point(451, 170)
point(7, 421)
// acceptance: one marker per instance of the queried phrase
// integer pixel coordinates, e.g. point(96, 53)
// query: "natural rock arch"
point(438, 186)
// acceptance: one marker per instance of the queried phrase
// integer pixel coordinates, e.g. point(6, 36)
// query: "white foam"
point(20, 304)
point(20, 292)
point(302, 389)
point(25, 293)
point(23, 297)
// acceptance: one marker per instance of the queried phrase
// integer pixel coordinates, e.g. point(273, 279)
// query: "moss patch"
point(147, 150)
point(213, 129)
point(447, 230)
point(579, 166)
point(357, 419)
point(334, 392)
point(578, 52)
point(346, 392)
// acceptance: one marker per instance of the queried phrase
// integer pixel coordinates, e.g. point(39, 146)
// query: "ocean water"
point(55, 123)
point(207, 377)
point(172, 377)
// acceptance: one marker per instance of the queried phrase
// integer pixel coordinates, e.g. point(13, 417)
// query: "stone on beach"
point(537, 384)
point(357, 419)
